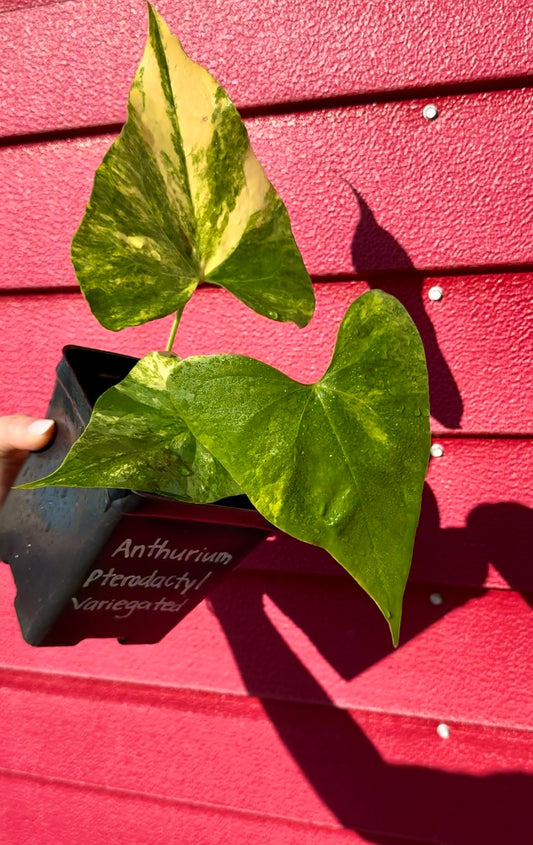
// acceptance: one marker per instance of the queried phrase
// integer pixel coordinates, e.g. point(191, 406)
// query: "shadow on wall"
point(364, 792)
point(500, 534)
point(373, 248)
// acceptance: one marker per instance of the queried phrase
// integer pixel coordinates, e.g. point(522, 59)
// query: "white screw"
point(430, 112)
point(435, 293)
point(443, 731)
point(436, 598)
point(437, 451)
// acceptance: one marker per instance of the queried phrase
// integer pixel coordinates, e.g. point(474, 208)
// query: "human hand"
point(19, 435)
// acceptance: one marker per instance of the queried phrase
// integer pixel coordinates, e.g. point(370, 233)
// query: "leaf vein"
point(352, 474)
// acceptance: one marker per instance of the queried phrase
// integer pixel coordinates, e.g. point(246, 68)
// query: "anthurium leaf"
point(339, 463)
point(136, 440)
point(180, 198)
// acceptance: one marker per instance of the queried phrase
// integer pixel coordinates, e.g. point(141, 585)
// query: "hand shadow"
point(365, 793)
point(374, 250)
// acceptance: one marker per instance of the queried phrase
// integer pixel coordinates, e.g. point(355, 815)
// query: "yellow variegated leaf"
point(339, 463)
point(137, 440)
point(180, 198)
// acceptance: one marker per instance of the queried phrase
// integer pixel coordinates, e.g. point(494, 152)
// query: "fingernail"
point(41, 427)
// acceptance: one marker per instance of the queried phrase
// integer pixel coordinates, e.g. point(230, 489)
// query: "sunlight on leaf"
point(180, 198)
point(136, 440)
point(339, 463)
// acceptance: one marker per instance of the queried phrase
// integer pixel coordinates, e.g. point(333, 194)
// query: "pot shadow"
point(365, 793)
point(373, 251)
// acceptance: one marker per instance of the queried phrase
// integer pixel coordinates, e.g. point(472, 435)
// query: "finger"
point(19, 432)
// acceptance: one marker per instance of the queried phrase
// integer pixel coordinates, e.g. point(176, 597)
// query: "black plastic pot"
point(111, 563)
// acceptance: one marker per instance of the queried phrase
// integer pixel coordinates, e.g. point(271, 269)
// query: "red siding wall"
point(278, 712)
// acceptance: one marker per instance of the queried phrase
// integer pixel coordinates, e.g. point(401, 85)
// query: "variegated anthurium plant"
point(180, 199)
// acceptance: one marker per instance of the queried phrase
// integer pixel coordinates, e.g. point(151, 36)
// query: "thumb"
point(19, 432)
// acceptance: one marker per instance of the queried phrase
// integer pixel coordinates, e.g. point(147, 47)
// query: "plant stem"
point(174, 329)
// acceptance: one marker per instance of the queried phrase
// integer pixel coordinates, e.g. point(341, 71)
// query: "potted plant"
point(180, 199)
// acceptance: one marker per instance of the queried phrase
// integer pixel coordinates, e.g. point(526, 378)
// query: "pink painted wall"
point(277, 712)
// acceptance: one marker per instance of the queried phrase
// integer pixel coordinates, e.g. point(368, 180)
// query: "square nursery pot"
point(111, 563)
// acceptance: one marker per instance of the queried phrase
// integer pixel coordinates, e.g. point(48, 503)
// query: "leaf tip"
point(303, 320)
point(393, 616)
point(394, 621)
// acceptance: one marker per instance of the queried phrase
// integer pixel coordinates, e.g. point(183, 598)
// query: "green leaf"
point(339, 463)
point(136, 440)
point(180, 198)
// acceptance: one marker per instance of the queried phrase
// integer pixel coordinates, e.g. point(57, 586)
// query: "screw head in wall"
point(443, 731)
point(435, 293)
point(436, 450)
point(430, 112)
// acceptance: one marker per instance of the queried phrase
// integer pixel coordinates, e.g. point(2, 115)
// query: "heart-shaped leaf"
point(136, 440)
point(180, 198)
point(339, 463)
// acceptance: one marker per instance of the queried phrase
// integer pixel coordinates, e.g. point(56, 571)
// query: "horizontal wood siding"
point(478, 384)
point(277, 711)
point(369, 188)
point(264, 52)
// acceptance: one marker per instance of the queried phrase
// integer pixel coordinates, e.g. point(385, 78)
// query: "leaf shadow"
point(373, 251)
point(366, 793)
